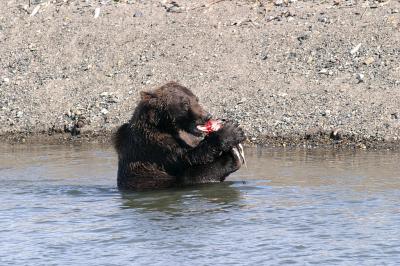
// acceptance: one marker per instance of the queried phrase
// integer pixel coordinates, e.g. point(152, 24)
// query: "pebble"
point(336, 134)
point(303, 37)
point(137, 14)
point(324, 71)
point(369, 61)
point(97, 12)
point(326, 113)
point(264, 56)
point(360, 77)
point(35, 10)
point(278, 2)
point(104, 111)
point(6, 80)
point(355, 49)
point(19, 114)
point(172, 6)
point(323, 19)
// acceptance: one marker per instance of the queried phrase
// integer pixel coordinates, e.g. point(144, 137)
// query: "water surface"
point(59, 206)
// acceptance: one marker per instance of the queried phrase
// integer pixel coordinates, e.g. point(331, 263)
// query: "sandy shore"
point(291, 72)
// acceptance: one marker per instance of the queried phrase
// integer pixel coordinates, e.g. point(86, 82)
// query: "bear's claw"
point(238, 153)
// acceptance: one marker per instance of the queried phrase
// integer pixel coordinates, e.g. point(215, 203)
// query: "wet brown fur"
point(159, 146)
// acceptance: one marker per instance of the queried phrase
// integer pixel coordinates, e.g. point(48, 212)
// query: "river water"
point(59, 206)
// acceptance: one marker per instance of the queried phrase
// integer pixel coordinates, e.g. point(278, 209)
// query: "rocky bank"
point(291, 72)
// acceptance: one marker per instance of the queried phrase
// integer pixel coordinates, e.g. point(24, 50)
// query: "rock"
point(369, 61)
point(96, 12)
point(355, 49)
point(112, 99)
point(278, 2)
point(303, 37)
point(35, 10)
point(335, 134)
point(19, 114)
point(395, 10)
point(394, 116)
point(172, 6)
point(264, 56)
point(6, 80)
point(323, 19)
point(68, 113)
point(326, 113)
point(137, 14)
point(104, 111)
point(80, 124)
point(324, 71)
point(313, 133)
point(241, 101)
point(360, 77)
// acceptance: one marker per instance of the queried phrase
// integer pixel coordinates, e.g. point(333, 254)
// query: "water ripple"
point(60, 206)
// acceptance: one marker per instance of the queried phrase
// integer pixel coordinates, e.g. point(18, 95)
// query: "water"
point(59, 206)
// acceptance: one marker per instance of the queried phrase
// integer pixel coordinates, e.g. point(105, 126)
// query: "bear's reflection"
point(207, 197)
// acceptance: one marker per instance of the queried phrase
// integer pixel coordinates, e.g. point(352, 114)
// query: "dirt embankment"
point(291, 72)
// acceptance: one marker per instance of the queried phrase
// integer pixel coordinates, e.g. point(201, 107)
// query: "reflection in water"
point(59, 205)
point(222, 196)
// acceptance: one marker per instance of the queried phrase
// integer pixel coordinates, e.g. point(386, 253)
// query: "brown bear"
point(161, 146)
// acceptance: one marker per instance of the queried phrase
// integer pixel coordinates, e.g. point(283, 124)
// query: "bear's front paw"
point(230, 136)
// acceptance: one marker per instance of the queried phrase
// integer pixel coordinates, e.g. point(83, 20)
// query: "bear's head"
point(173, 108)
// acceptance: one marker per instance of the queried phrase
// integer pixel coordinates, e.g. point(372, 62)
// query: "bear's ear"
point(147, 95)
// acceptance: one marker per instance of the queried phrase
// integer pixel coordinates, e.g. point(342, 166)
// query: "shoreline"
point(320, 141)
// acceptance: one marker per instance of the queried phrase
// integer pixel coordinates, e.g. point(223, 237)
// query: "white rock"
point(97, 12)
point(355, 49)
point(19, 114)
point(35, 10)
point(323, 71)
point(360, 77)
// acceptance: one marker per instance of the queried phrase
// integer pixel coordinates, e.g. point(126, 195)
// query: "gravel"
point(290, 72)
